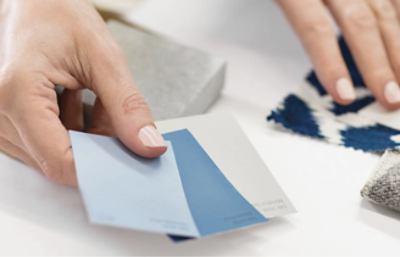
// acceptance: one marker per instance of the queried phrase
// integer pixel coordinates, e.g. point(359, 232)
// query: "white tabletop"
point(265, 63)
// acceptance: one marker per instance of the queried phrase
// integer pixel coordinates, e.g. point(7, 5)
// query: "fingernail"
point(345, 89)
point(150, 137)
point(392, 92)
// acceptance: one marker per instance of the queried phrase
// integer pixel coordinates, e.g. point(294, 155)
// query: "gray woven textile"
point(383, 187)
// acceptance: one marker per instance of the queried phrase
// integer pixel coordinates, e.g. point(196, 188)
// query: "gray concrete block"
point(175, 80)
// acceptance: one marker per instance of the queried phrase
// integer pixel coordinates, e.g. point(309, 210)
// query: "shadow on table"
point(381, 218)
point(28, 195)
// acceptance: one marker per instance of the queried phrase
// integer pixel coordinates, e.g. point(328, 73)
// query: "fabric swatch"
point(311, 112)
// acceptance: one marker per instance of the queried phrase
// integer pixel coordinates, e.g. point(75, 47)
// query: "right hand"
point(65, 42)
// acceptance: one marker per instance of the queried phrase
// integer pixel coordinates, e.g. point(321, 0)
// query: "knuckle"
point(135, 103)
point(315, 21)
point(361, 16)
point(385, 10)
point(381, 73)
point(51, 170)
point(319, 25)
point(38, 93)
point(57, 165)
point(34, 87)
point(380, 76)
point(17, 83)
point(106, 59)
point(116, 51)
point(333, 71)
point(108, 50)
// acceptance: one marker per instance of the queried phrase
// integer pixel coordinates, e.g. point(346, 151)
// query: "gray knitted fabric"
point(383, 187)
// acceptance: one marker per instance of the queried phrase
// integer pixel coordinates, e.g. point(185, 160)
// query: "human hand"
point(64, 42)
point(372, 31)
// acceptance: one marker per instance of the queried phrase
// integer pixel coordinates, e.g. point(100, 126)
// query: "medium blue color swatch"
point(215, 204)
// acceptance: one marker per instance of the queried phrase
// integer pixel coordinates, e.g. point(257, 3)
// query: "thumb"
point(129, 113)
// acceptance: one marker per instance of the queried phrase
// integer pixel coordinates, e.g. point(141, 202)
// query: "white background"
point(265, 63)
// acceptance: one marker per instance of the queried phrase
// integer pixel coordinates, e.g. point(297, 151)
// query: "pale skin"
point(46, 43)
point(372, 31)
point(65, 42)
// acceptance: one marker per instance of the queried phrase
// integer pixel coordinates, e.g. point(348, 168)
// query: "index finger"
point(316, 33)
point(46, 139)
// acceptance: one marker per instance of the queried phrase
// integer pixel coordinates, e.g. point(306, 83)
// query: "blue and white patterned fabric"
point(312, 112)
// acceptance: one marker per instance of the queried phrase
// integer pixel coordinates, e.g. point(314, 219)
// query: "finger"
point(62, 75)
point(362, 34)
point(101, 121)
point(71, 109)
point(314, 28)
point(36, 118)
point(130, 116)
point(388, 22)
point(16, 152)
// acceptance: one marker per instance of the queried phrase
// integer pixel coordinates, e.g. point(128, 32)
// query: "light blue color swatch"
point(124, 190)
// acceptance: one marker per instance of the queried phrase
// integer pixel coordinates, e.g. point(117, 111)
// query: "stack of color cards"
point(209, 181)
